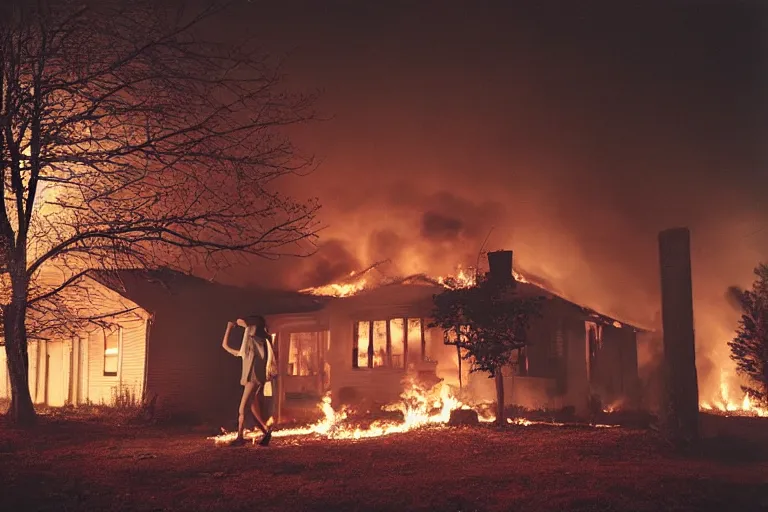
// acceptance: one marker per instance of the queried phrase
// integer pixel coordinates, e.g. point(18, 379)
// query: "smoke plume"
point(572, 134)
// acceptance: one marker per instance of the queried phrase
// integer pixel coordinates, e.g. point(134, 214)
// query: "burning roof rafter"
point(357, 282)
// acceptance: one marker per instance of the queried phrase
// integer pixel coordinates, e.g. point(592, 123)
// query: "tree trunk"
point(458, 358)
point(21, 411)
point(499, 397)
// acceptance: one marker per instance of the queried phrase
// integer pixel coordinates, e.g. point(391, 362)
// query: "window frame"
point(388, 359)
point(118, 333)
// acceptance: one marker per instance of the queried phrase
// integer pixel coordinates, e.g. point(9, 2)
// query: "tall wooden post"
point(680, 415)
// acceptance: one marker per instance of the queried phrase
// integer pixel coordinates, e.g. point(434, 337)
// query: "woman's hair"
point(260, 323)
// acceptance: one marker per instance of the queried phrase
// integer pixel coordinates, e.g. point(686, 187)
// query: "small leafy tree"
point(490, 322)
point(750, 346)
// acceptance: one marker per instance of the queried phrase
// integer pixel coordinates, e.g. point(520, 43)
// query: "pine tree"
point(750, 346)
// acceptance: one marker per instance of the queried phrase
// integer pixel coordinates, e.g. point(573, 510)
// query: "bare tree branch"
point(128, 141)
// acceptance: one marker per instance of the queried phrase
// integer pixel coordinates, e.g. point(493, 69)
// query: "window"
point(557, 342)
point(385, 343)
point(111, 351)
point(519, 362)
point(416, 335)
point(304, 353)
point(397, 342)
point(360, 359)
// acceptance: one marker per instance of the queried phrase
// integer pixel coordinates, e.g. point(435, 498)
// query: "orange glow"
point(731, 405)
point(462, 278)
point(338, 289)
point(419, 406)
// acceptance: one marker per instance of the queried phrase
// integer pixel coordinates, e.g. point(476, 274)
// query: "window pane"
point(362, 344)
point(293, 354)
point(110, 365)
point(379, 343)
point(397, 336)
point(111, 344)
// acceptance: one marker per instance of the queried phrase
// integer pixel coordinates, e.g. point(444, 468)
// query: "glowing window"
point(304, 354)
point(388, 341)
point(361, 349)
point(397, 342)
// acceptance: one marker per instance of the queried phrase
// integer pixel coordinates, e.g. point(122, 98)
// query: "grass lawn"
point(82, 464)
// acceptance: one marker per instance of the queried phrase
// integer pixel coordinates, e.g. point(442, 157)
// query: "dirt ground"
point(78, 464)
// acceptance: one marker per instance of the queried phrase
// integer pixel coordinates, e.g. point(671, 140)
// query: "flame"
point(615, 406)
point(519, 277)
point(463, 278)
point(729, 405)
point(338, 289)
point(419, 406)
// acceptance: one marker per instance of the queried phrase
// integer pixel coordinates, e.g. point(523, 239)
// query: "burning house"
point(363, 343)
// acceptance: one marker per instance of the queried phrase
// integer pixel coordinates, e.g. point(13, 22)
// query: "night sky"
point(576, 131)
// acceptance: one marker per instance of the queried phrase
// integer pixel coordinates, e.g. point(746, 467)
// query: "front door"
point(56, 389)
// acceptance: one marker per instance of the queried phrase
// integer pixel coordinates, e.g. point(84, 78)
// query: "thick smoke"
point(438, 227)
point(331, 262)
point(573, 138)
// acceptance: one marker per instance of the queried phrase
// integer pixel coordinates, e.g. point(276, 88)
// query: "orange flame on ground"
point(730, 406)
point(420, 407)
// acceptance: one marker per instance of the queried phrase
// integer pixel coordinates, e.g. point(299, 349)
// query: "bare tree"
point(126, 140)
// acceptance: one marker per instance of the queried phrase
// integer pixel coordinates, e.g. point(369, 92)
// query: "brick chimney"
point(500, 266)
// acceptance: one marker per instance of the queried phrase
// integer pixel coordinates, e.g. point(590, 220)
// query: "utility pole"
point(680, 414)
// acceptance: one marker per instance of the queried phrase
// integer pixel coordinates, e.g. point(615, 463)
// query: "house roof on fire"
point(152, 289)
point(525, 288)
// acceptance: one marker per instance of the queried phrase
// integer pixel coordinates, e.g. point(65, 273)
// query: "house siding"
point(129, 381)
point(188, 371)
point(133, 357)
point(65, 371)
